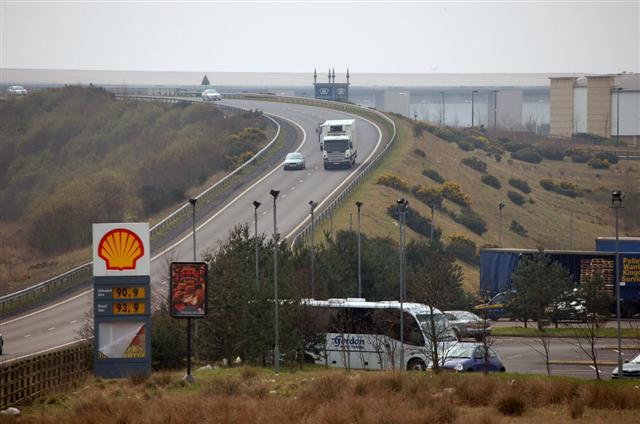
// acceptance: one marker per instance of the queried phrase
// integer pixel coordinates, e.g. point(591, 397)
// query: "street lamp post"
point(256, 205)
point(500, 207)
point(359, 205)
point(403, 204)
point(432, 223)
point(276, 348)
point(189, 377)
point(473, 92)
point(616, 203)
point(442, 124)
point(313, 206)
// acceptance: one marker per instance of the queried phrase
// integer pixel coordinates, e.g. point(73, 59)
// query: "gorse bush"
point(610, 157)
point(521, 185)
point(148, 155)
point(470, 219)
point(419, 152)
point(463, 249)
point(416, 222)
point(491, 181)
point(598, 163)
point(475, 163)
point(429, 196)
point(527, 155)
point(579, 156)
point(434, 175)
point(565, 188)
point(518, 228)
point(551, 152)
point(452, 191)
point(393, 181)
point(516, 197)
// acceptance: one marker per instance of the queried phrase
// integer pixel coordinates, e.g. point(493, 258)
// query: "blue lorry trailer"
point(497, 265)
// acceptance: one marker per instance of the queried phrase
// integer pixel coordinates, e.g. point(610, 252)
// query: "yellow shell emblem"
point(120, 248)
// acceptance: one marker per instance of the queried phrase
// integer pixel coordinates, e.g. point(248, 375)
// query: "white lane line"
point(27, 335)
point(73, 322)
point(346, 180)
point(43, 351)
point(51, 328)
point(594, 368)
point(301, 181)
point(55, 305)
point(292, 188)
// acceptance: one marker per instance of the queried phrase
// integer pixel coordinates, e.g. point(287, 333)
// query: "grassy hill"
point(545, 215)
point(77, 155)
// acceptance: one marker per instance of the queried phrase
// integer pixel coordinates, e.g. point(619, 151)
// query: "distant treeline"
point(76, 155)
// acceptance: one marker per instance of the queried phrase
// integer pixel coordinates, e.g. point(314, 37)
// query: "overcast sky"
point(421, 37)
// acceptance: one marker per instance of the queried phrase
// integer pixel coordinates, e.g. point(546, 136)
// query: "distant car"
point(468, 357)
point(467, 324)
point(211, 95)
point(294, 160)
point(17, 90)
point(630, 369)
point(496, 307)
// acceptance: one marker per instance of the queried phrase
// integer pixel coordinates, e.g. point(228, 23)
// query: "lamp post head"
point(617, 197)
point(274, 193)
point(359, 204)
point(403, 203)
point(256, 204)
point(313, 205)
point(500, 205)
point(193, 201)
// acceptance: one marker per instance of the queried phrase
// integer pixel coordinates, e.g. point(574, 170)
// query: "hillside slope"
point(545, 215)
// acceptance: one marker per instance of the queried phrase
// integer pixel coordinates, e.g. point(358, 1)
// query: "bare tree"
point(487, 342)
point(543, 347)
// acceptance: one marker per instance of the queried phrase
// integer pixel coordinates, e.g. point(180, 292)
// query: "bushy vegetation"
point(416, 222)
point(393, 181)
point(470, 219)
point(518, 228)
point(527, 155)
point(434, 175)
point(75, 155)
point(551, 152)
point(452, 191)
point(431, 197)
point(513, 146)
point(491, 181)
point(610, 157)
point(516, 197)
point(579, 156)
point(463, 249)
point(419, 152)
point(521, 185)
point(475, 163)
point(566, 188)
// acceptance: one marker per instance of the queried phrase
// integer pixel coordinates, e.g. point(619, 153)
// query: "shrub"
point(511, 404)
point(492, 181)
point(416, 222)
point(433, 174)
point(514, 146)
point(419, 152)
point(419, 128)
point(429, 196)
point(579, 156)
point(612, 158)
point(565, 188)
point(479, 141)
point(463, 249)
point(465, 145)
point(598, 163)
point(551, 152)
point(518, 228)
point(475, 163)
point(516, 197)
point(470, 219)
point(452, 191)
point(521, 185)
point(527, 155)
point(393, 181)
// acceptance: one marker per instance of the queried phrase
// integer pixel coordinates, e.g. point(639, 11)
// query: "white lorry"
point(338, 143)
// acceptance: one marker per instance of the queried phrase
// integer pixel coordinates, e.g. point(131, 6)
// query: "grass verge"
point(561, 332)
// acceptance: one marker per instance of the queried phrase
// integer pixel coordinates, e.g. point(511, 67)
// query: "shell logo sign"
point(121, 249)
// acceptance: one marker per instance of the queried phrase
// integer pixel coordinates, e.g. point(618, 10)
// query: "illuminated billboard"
point(188, 291)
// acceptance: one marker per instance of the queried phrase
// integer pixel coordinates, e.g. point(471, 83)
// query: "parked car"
point(469, 357)
point(496, 307)
point(570, 307)
point(630, 369)
point(294, 160)
point(467, 324)
point(17, 90)
point(211, 95)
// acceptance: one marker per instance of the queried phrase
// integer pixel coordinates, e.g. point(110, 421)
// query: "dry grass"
point(334, 396)
point(547, 219)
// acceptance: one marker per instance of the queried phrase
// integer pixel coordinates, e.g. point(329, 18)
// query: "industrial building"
point(589, 104)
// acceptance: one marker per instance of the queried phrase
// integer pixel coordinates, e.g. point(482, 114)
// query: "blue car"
point(467, 357)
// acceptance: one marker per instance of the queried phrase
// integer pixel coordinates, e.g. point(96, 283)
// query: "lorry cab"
point(338, 143)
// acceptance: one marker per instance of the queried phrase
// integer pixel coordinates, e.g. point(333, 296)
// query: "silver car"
point(630, 369)
point(466, 324)
point(211, 95)
point(294, 160)
point(17, 90)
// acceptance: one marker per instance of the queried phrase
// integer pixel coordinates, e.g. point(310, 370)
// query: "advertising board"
point(188, 290)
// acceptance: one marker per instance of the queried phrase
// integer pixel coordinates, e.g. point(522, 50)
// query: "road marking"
point(55, 305)
point(594, 368)
point(301, 181)
point(292, 188)
point(73, 322)
point(52, 328)
point(27, 335)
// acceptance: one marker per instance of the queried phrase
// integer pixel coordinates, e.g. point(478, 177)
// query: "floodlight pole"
point(359, 205)
point(616, 203)
point(189, 377)
point(256, 205)
point(500, 207)
point(403, 205)
point(276, 349)
point(313, 206)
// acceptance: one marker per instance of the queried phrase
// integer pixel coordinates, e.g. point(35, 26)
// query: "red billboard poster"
point(188, 291)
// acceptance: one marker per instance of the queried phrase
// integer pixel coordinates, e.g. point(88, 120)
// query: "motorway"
point(58, 324)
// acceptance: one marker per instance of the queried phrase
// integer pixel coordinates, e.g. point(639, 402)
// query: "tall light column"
point(359, 205)
point(256, 205)
point(313, 206)
point(616, 203)
point(276, 348)
point(500, 207)
point(403, 204)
